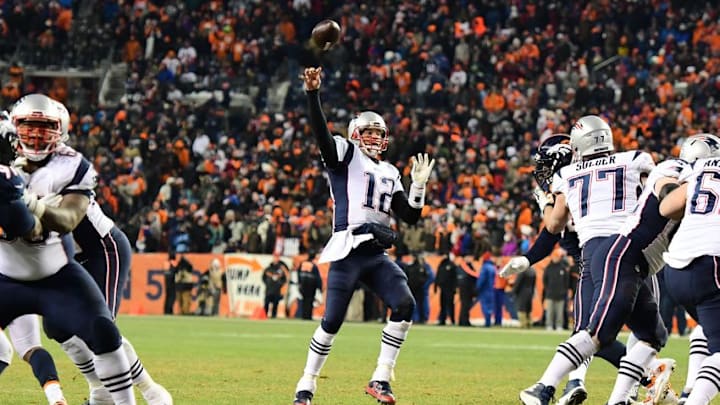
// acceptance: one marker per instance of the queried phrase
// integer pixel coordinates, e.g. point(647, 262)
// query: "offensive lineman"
point(366, 192)
point(692, 263)
point(37, 272)
point(106, 254)
point(40, 360)
point(553, 154)
point(599, 191)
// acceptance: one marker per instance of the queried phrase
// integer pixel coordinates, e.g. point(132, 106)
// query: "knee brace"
point(106, 336)
point(404, 310)
point(6, 349)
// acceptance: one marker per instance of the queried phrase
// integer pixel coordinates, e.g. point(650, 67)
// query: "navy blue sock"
point(43, 366)
point(612, 353)
point(3, 366)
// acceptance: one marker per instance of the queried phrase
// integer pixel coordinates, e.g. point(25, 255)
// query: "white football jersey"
point(646, 226)
point(699, 231)
point(67, 171)
point(95, 225)
point(362, 190)
point(602, 192)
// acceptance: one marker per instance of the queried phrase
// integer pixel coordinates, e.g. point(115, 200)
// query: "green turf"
point(229, 361)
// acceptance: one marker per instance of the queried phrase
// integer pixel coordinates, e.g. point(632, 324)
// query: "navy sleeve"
point(403, 210)
point(542, 247)
point(318, 123)
point(15, 219)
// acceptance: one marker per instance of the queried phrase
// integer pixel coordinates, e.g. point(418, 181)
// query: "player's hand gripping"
point(543, 199)
point(37, 205)
point(33, 203)
point(516, 265)
point(421, 169)
point(312, 78)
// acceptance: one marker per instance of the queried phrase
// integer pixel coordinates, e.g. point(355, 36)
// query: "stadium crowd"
point(477, 87)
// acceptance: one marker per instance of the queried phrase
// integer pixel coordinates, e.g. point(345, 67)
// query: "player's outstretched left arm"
point(62, 218)
point(409, 208)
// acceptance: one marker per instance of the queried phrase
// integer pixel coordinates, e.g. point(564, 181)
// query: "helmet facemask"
point(372, 141)
point(369, 132)
point(38, 136)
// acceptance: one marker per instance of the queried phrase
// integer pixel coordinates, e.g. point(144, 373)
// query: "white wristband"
point(416, 197)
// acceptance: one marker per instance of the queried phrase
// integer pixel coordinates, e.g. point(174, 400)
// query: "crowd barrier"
point(146, 288)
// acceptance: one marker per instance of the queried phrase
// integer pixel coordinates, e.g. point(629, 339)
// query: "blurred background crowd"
point(206, 147)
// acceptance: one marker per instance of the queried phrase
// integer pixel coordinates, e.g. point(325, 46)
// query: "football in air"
point(326, 34)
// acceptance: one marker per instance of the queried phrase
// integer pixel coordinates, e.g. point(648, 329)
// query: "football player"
point(37, 271)
point(106, 254)
point(552, 155)
point(599, 191)
point(366, 193)
point(27, 347)
point(692, 264)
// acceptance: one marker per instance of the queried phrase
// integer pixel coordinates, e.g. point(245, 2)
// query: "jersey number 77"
point(585, 182)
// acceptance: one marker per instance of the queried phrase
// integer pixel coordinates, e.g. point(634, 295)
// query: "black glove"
point(384, 236)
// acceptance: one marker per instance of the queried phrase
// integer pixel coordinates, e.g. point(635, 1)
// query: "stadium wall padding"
point(144, 293)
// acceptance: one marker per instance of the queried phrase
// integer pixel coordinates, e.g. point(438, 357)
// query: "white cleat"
point(659, 386)
point(157, 395)
point(671, 398)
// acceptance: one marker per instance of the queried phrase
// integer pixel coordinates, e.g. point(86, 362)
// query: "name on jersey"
point(712, 163)
point(595, 162)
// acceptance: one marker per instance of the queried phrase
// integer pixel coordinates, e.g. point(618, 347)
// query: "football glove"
point(421, 169)
point(20, 162)
point(543, 199)
point(52, 200)
point(32, 201)
point(516, 265)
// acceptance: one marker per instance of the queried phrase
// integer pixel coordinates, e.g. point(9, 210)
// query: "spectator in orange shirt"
point(132, 50)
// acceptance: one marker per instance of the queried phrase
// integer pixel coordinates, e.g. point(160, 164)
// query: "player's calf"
point(112, 366)
point(152, 392)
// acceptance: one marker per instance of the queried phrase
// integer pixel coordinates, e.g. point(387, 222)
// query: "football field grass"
point(231, 361)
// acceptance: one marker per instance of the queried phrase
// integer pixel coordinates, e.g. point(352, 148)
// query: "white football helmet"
point(700, 146)
point(39, 126)
point(64, 121)
point(591, 135)
point(371, 144)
